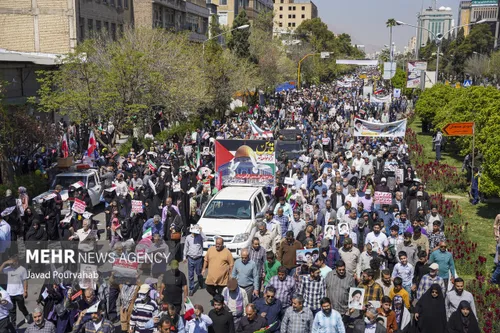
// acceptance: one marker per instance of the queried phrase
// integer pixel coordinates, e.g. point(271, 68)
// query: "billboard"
point(414, 73)
point(250, 162)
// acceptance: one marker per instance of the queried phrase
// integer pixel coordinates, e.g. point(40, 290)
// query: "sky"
point(365, 20)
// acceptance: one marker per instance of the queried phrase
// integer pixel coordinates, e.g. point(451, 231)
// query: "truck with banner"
point(245, 162)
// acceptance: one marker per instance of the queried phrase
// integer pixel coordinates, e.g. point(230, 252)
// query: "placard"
point(137, 206)
point(306, 256)
point(399, 176)
point(187, 150)
point(289, 181)
point(356, 298)
point(79, 206)
point(206, 150)
point(382, 198)
point(329, 231)
point(77, 185)
point(124, 268)
point(309, 211)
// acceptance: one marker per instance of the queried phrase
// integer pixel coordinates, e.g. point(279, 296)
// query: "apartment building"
point(175, 15)
point(289, 14)
point(56, 26)
point(227, 10)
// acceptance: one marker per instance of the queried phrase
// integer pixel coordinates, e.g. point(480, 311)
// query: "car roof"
point(76, 173)
point(237, 193)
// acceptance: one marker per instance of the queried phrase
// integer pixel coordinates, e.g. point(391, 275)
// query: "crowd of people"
point(373, 266)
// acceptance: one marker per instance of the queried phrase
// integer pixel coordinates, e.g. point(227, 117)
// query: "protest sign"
point(79, 206)
point(382, 198)
point(137, 206)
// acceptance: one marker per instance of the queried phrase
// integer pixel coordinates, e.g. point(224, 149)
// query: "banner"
point(414, 73)
point(245, 162)
point(387, 130)
point(258, 132)
point(397, 93)
point(385, 99)
point(357, 62)
point(382, 198)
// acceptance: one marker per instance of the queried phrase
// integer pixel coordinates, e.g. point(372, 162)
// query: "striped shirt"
point(284, 289)
point(142, 316)
point(313, 291)
point(89, 327)
point(297, 321)
point(426, 282)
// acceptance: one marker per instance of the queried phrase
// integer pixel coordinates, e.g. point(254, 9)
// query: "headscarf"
point(460, 323)
point(398, 300)
point(432, 311)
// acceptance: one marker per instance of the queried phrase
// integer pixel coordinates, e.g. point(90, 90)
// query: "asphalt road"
point(35, 286)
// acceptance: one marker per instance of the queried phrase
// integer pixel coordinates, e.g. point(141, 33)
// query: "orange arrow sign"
point(459, 129)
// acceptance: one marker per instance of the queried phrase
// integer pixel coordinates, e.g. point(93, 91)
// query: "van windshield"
point(229, 209)
point(67, 181)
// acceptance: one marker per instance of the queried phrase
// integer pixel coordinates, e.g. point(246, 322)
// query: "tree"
point(142, 72)
point(477, 66)
point(495, 65)
point(389, 24)
point(21, 134)
point(239, 42)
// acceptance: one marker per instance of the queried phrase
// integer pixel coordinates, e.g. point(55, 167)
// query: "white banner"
point(414, 73)
point(388, 130)
point(357, 62)
point(385, 99)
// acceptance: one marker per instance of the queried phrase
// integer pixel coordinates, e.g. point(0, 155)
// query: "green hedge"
point(34, 184)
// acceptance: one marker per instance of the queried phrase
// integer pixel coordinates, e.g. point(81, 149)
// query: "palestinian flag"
point(148, 234)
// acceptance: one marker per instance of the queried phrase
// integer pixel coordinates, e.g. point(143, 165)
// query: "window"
point(293, 24)
point(262, 201)
point(281, 7)
point(92, 182)
point(289, 16)
point(293, 8)
point(303, 16)
point(112, 2)
point(222, 18)
point(82, 28)
point(90, 26)
point(280, 24)
point(281, 16)
point(113, 31)
point(106, 26)
point(223, 2)
point(119, 3)
point(98, 26)
point(293, 16)
point(256, 207)
point(289, 7)
point(289, 24)
point(228, 209)
point(125, 4)
point(282, 1)
point(303, 7)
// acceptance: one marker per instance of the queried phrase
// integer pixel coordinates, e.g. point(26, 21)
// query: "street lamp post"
point(438, 38)
point(241, 27)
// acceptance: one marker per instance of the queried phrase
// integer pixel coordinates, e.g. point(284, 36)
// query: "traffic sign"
point(467, 83)
point(459, 129)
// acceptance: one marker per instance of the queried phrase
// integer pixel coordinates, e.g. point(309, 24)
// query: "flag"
point(198, 158)
point(189, 310)
point(267, 328)
point(152, 166)
point(65, 146)
point(92, 146)
point(148, 234)
point(257, 131)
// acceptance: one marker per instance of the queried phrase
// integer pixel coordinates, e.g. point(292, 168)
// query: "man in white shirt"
point(378, 240)
point(5, 307)
point(87, 238)
point(17, 287)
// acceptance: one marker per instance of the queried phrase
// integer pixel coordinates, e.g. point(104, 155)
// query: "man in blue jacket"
point(270, 308)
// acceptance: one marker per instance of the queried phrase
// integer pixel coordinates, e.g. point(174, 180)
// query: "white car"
point(233, 214)
point(90, 179)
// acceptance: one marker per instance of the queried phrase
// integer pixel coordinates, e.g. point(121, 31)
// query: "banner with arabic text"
point(388, 130)
point(245, 162)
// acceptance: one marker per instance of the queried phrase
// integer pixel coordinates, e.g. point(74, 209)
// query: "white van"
point(233, 214)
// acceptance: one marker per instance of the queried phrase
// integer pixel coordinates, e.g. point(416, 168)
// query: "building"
point(227, 10)
point(464, 15)
point(175, 15)
point(486, 10)
point(56, 26)
point(359, 47)
point(438, 21)
point(412, 44)
point(289, 14)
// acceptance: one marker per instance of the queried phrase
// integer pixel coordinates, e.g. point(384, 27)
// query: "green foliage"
point(239, 42)
point(399, 81)
point(431, 101)
point(443, 105)
point(135, 75)
point(179, 130)
point(34, 184)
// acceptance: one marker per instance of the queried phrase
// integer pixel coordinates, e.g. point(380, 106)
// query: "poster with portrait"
point(329, 231)
point(356, 297)
point(307, 256)
point(343, 228)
